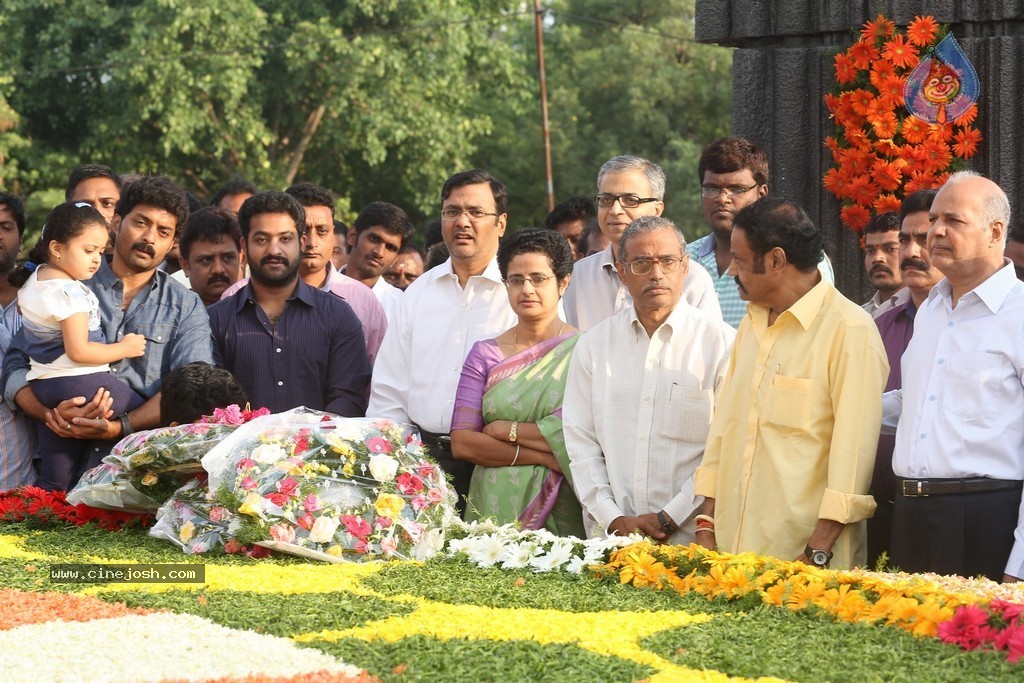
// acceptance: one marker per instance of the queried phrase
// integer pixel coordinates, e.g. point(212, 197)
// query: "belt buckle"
point(445, 441)
point(913, 491)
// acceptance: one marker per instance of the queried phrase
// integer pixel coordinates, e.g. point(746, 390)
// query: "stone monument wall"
point(783, 66)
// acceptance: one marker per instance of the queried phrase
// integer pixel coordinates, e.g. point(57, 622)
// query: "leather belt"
point(920, 488)
point(441, 441)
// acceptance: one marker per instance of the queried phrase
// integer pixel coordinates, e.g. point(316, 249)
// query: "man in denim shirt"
point(134, 297)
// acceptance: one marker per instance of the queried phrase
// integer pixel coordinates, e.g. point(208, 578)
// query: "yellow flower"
point(389, 505)
point(149, 479)
point(251, 505)
point(188, 530)
point(334, 550)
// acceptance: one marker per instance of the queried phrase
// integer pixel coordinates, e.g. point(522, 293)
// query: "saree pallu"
point(527, 387)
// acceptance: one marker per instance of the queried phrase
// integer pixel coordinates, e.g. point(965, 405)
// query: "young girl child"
point(64, 341)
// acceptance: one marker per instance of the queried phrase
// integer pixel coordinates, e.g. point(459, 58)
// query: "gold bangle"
point(513, 432)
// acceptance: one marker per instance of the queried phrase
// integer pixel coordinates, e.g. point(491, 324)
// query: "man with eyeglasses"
point(628, 187)
point(733, 173)
point(441, 315)
point(640, 394)
point(790, 455)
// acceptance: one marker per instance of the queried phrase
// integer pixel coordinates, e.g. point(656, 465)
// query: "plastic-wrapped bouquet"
point(332, 488)
point(193, 521)
point(145, 468)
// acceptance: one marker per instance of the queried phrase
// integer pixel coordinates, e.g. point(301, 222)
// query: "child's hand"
point(134, 345)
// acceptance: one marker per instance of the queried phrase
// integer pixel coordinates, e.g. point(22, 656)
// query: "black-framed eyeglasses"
point(517, 281)
point(451, 213)
point(713, 191)
point(642, 266)
point(627, 201)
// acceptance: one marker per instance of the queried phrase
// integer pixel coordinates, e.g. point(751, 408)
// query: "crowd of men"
point(723, 392)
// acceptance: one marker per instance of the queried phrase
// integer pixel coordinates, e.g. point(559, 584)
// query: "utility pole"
point(538, 14)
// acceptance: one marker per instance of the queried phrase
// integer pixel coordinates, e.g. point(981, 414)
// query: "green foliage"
point(623, 78)
point(429, 659)
point(375, 99)
point(800, 647)
point(460, 582)
point(299, 613)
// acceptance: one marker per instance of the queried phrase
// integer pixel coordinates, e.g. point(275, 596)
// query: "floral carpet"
point(647, 613)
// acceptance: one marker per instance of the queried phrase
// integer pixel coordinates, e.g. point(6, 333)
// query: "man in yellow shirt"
point(790, 453)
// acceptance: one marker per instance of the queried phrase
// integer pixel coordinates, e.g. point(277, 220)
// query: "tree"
point(623, 78)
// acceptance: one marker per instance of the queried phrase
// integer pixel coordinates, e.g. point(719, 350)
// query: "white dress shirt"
point(637, 411)
point(388, 295)
point(960, 410)
point(595, 291)
point(437, 322)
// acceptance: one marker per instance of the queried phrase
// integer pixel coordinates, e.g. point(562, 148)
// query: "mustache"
point(274, 259)
point(914, 264)
point(880, 268)
point(739, 284)
point(218, 278)
point(143, 246)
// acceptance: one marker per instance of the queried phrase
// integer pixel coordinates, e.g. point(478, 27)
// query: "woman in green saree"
point(508, 409)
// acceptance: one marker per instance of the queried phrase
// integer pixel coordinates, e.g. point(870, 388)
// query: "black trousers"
point(968, 534)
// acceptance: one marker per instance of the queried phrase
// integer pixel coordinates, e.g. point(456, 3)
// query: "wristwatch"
point(667, 525)
point(819, 558)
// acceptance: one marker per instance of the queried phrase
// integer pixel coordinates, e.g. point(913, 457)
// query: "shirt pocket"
point(790, 403)
point(158, 336)
point(978, 384)
point(693, 408)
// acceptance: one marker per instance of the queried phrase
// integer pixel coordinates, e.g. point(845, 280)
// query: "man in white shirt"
point(641, 393)
point(959, 456)
point(374, 240)
point(441, 315)
point(627, 187)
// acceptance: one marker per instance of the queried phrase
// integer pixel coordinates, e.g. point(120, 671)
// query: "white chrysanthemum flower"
point(518, 555)
point(487, 551)
point(559, 553)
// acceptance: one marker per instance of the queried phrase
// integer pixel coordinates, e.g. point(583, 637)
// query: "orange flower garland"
point(881, 152)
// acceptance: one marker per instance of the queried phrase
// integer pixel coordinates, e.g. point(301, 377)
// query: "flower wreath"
point(881, 152)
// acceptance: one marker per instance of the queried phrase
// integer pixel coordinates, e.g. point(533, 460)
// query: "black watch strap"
point(667, 525)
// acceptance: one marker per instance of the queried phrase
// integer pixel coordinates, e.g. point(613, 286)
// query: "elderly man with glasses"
point(733, 173)
point(628, 187)
point(641, 393)
point(441, 315)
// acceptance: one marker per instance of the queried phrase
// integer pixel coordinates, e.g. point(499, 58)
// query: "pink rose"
point(419, 502)
point(259, 551)
point(231, 546)
point(382, 522)
point(361, 547)
point(306, 521)
point(378, 445)
point(409, 483)
point(427, 471)
point(218, 514)
point(248, 483)
point(435, 495)
point(245, 463)
point(357, 526)
point(278, 499)
point(312, 503)
point(284, 533)
point(287, 486)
